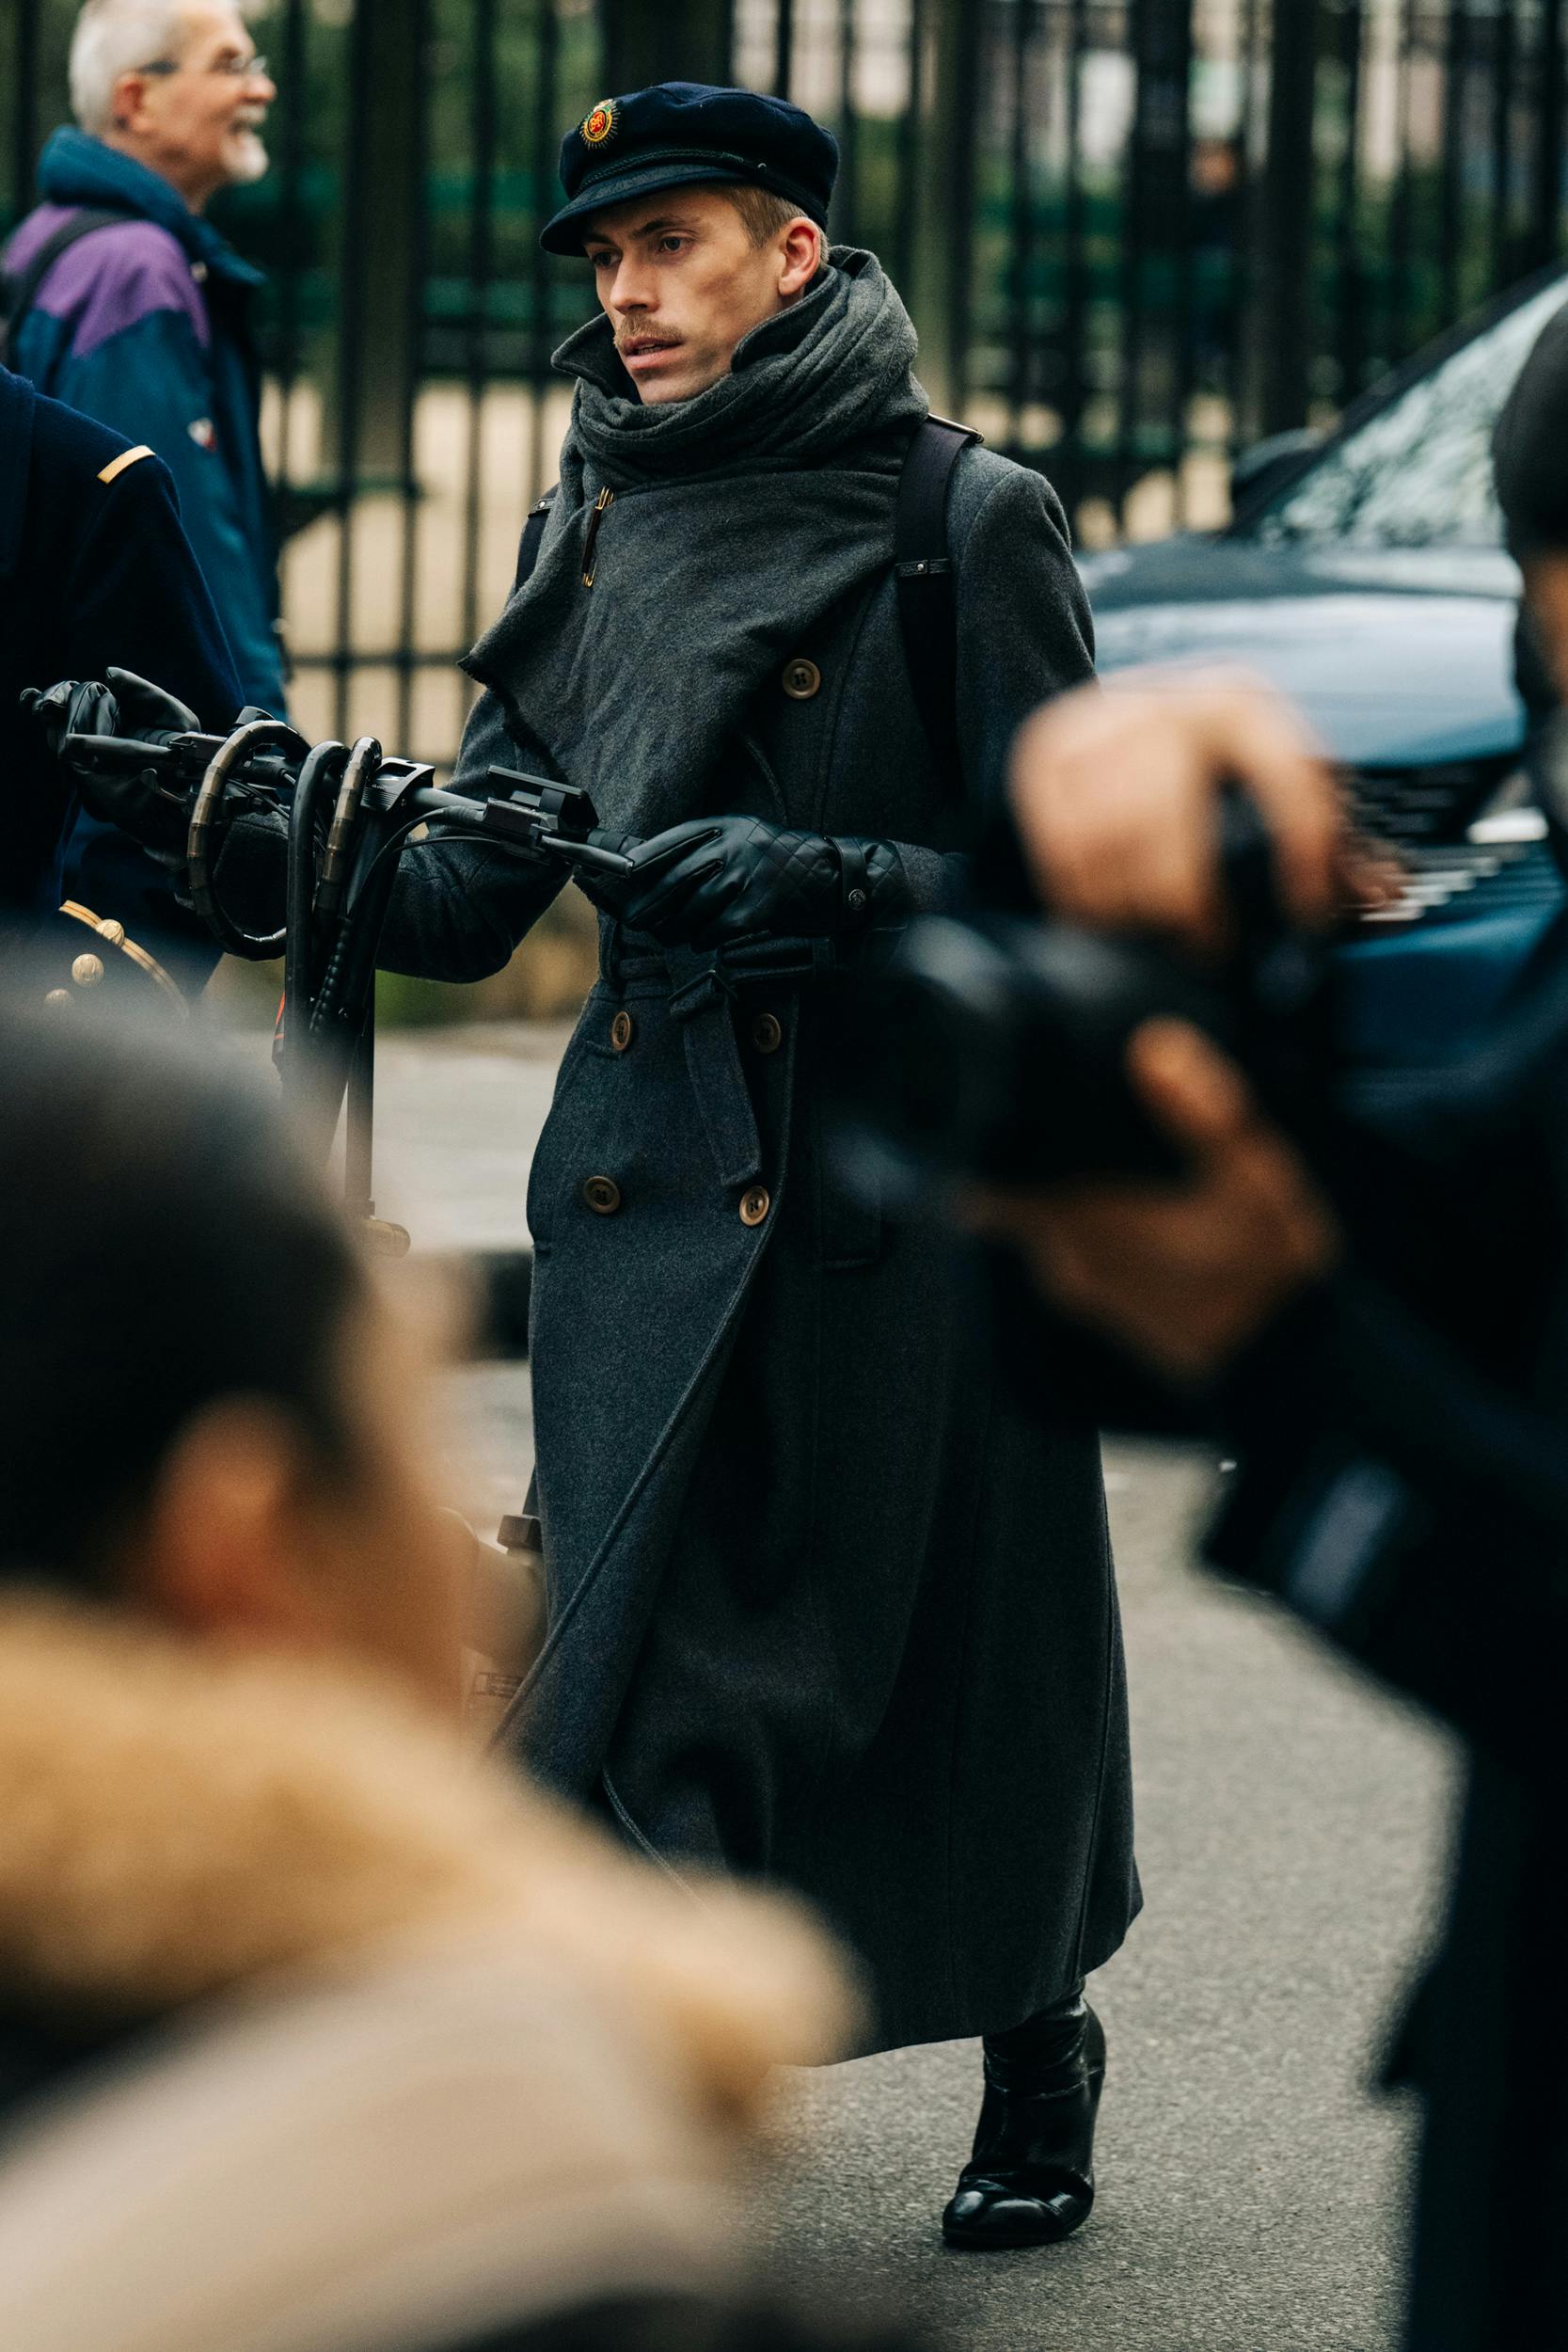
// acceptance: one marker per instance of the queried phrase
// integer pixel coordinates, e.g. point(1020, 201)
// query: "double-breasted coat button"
point(801, 679)
point(622, 1030)
point(766, 1033)
point(603, 1195)
point(754, 1204)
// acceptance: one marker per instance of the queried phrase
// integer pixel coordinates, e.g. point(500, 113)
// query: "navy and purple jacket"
point(143, 327)
point(94, 570)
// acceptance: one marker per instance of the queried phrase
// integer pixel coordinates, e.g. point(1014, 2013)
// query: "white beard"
point(249, 162)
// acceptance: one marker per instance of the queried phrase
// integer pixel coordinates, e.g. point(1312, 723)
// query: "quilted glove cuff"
point(874, 889)
point(825, 885)
point(721, 877)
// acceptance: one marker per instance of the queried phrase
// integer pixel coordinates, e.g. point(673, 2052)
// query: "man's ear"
point(222, 1550)
point(801, 257)
point(126, 100)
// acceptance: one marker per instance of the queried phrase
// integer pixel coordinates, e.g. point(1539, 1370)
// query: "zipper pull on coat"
point(590, 552)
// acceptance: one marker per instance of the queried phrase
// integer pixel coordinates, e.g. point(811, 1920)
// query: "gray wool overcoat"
point(825, 1607)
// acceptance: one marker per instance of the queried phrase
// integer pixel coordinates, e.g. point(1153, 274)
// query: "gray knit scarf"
point(739, 518)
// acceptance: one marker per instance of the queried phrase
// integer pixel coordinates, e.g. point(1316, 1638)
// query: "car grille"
point(1411, 806)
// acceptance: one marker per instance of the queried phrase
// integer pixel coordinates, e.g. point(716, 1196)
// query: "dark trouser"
point(1050, 2039)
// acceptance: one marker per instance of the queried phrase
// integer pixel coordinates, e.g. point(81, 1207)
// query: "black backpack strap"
point(19, 290)
point(926, 584)
point(533, 532)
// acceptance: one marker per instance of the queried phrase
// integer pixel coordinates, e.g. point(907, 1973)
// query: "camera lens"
point(925, 1059)
point(994, 1050)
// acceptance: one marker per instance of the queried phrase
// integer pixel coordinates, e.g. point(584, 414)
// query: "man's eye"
point(599, 260)
point(672, 245)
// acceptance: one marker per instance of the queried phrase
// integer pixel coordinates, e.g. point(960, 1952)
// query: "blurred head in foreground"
point(386, 2048)
point(209, 1414)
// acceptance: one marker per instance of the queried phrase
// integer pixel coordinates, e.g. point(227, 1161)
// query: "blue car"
point(1366, 576)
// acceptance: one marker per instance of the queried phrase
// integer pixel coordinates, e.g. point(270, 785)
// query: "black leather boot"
point(1030, 2180)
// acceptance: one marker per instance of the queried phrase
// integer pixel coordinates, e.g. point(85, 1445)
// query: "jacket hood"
point(179, 1821)
point(77, 169)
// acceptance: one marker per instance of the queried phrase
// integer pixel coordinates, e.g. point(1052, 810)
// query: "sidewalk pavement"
point(457, 1115)
point(1252, 2193)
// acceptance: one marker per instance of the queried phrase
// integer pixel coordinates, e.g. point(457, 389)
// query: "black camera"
point(991, 1046)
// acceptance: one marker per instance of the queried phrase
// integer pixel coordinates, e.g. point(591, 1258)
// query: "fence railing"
point(1134, 233)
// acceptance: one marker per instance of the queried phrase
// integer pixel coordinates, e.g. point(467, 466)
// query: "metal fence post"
point(1155, 270)
point(687, 41)
point(24, 105)
point(381, 247)
point(1284, 218)
point(960, 55)
point(1543, 239)
point(1349, 326)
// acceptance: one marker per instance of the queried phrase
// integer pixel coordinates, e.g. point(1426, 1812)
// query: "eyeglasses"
point(233, 68)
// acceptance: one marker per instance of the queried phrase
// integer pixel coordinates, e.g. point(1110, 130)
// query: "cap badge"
point(600, 124)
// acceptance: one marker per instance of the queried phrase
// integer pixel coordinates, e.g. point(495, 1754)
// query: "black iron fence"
point(1134, 234)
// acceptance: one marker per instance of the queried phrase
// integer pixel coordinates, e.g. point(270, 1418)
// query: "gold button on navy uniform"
point(603, 1195)
point(766, 1033)
point(755, 1205)
point(801, 679)
point(622, 1030)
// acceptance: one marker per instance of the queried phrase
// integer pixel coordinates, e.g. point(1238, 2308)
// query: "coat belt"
point(702, 985)
point(701, 997)
point(742, 963)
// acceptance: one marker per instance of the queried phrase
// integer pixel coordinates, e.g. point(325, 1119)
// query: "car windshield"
point(1419, 473)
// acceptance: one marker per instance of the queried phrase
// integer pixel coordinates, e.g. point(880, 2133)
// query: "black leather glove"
point(728, 876)
point(122, 704)
point(131, 708)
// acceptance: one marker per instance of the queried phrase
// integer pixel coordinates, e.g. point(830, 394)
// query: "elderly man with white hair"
point(126, 303)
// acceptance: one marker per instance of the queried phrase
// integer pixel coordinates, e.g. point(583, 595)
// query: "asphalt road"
point(1252, 2193)
point(1291, 1828)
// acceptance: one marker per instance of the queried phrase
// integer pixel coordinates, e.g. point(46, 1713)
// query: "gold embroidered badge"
point(600, 124)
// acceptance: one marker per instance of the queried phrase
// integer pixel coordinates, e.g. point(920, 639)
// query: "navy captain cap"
point(677, 133)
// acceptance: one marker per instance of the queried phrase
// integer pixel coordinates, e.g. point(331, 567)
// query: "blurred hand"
point(1185, 1275)
point(1114, 791)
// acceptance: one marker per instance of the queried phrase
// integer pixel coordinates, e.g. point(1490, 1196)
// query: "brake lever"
point(185, 757)
point(587, 853)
